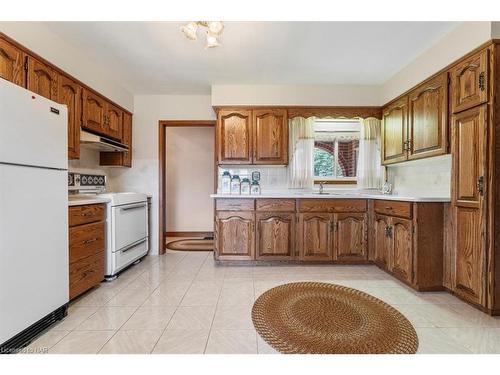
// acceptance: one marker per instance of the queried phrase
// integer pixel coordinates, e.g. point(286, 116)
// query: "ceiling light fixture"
point(213, 33)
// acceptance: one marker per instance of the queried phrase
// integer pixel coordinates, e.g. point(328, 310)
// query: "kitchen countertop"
point(339, 195)
point(82, 200)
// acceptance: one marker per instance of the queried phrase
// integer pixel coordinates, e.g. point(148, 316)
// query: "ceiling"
point(156, 58)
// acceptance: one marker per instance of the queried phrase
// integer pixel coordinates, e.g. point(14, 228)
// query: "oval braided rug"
point(191, 245)
point(321, 318)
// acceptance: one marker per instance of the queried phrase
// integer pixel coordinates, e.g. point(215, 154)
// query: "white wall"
point(463, 39)
point(148, 110)
point(190, 178)
point(307, 95)
point(38, 38)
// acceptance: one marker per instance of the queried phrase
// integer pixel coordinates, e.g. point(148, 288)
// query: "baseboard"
point(189, 234)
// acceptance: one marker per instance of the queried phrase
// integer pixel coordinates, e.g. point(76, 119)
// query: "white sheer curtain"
point(370, 170)
point(301, 146)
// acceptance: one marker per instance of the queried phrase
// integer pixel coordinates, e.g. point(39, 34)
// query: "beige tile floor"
point(184, 303)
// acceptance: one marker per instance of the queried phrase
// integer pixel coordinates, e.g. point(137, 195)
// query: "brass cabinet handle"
point(86, 242)
point(480, 185)
point(86, 214)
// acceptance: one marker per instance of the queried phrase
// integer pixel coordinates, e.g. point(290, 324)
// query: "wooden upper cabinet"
point(235, 234)
point(382, 243)
point(350, 237)
point(315, 237)
point(113, 121)
point(120, 159)
point(469, 182)
point(70, 94)
point(469, 82)
point(428, 119)
point(42, 79)
point(234, 136)
point(94, 112)
point(401, 260)
point(394, 131)
point(12, 63)
point(275, 236)
point(270, 136)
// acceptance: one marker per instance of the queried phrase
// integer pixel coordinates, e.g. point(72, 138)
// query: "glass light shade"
point(189, 30)
point(215, 27)
point(212, 40)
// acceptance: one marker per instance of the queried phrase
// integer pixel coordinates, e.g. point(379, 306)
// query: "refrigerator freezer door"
point(33, 246)
point(33, 130)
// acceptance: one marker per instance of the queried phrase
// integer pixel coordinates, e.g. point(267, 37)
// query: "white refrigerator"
point(33, 215)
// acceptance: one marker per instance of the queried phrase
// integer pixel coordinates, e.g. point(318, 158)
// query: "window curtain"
point(301, 153)
point(369, 169)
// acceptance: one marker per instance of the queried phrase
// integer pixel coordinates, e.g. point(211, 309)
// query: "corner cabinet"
point(394, 132)
point(428, 119)
point(252, 136)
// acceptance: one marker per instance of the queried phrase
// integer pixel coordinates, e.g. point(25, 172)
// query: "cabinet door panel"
point(275, 235)
point(428, 119)
point(12, 63)
point(70, 94)
point(114, 121)
point(94, 110)
point(235, 235)
point(394, 132)
point(469, 202)
point(350, 237)
point(234, 137)
point(270, 136)
point(401, 261)
point(315, 236)
point(42, 79)
point(469, 82)
point(382, 241)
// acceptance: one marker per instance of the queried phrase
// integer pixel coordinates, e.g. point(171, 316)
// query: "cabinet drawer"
point(275, 205)
point(86, 214)
point(332, 205)
point(85, 274)
point(393, 208)
point(231, 204)
point(86, 240)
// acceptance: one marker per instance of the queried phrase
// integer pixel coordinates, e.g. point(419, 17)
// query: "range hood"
point(98, 142)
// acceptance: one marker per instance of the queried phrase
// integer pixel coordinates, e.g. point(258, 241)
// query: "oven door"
point(129, 224)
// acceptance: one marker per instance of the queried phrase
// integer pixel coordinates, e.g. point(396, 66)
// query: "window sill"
point(336, 182)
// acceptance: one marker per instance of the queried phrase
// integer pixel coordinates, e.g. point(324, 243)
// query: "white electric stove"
point(126, 222)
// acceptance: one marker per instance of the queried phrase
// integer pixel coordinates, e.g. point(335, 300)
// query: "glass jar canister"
point(255, 188)
point(226, 183)
point(245, 186)
point(235, 184)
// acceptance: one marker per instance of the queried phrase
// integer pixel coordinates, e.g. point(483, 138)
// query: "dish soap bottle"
point(235, 184)
point(245, 186)
point(226, 183)
point(255, 188)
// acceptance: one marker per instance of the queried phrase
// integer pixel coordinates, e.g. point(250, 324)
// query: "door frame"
point(162, 162)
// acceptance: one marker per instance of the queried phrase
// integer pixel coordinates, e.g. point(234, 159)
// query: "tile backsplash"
point(271, 177)
point(89, 163)
point(430, 177)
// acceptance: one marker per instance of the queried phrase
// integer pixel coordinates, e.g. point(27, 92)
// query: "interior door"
point(270, 136)
point(350, 237)
point(394, 131)
point(428, 119)
point(315, 236)
point(468, 201)
point(275, 235)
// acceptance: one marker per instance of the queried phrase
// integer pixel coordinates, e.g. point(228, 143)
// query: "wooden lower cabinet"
point(315, 237)
point(401, 260)
point(86, 247)
point(275, 235)
point(381, 241)
point(235, 235)
point(350, 238)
